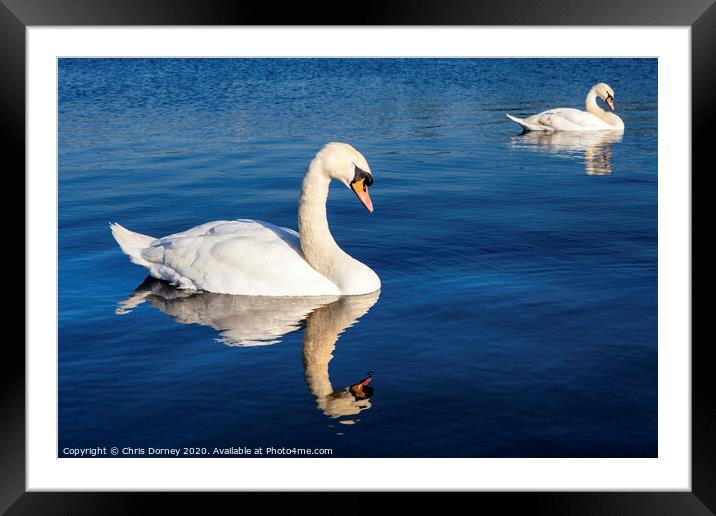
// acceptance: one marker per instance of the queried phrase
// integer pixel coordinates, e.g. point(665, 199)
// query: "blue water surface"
point(518, 310)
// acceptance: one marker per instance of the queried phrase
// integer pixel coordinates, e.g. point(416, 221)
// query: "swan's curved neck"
point(319, 248)
point(613, 120)
point(592, 106)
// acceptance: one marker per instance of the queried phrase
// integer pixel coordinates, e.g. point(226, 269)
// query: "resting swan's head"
point(342, 162)
point(606, 93)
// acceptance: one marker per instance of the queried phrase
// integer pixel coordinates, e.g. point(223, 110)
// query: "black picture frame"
point(700, 15)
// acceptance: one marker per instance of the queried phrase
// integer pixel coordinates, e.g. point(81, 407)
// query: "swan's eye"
point(361, 174)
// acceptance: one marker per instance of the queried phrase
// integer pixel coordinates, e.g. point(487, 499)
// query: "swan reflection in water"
point(258, 321)
point(594, 146)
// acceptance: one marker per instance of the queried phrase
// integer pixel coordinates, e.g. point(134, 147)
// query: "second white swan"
point(251, 257)
point(570, 119)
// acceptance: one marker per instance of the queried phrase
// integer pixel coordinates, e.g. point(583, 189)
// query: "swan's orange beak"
point(361, 190)
point(610, 101)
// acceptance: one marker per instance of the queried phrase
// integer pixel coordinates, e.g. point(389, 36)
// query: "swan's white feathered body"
point(255, 258)
point(570, 119)
point(563, 119)
point(252, 257)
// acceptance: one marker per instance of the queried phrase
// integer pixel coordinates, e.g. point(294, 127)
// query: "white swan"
point(569, 119)
point(251, 257)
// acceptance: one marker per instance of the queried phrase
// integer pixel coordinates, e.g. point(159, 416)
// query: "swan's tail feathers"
point(515, 119)
point(526, 126)
point(132, 243)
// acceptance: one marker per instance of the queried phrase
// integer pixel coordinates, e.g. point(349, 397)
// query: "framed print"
point(498, 300)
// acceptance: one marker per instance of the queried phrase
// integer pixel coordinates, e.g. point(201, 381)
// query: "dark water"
point(518, 313)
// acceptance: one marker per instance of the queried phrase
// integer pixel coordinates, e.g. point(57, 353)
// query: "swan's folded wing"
point(568, 119)
point(237, 257)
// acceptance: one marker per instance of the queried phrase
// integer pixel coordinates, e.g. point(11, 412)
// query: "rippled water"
point(518, 313)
